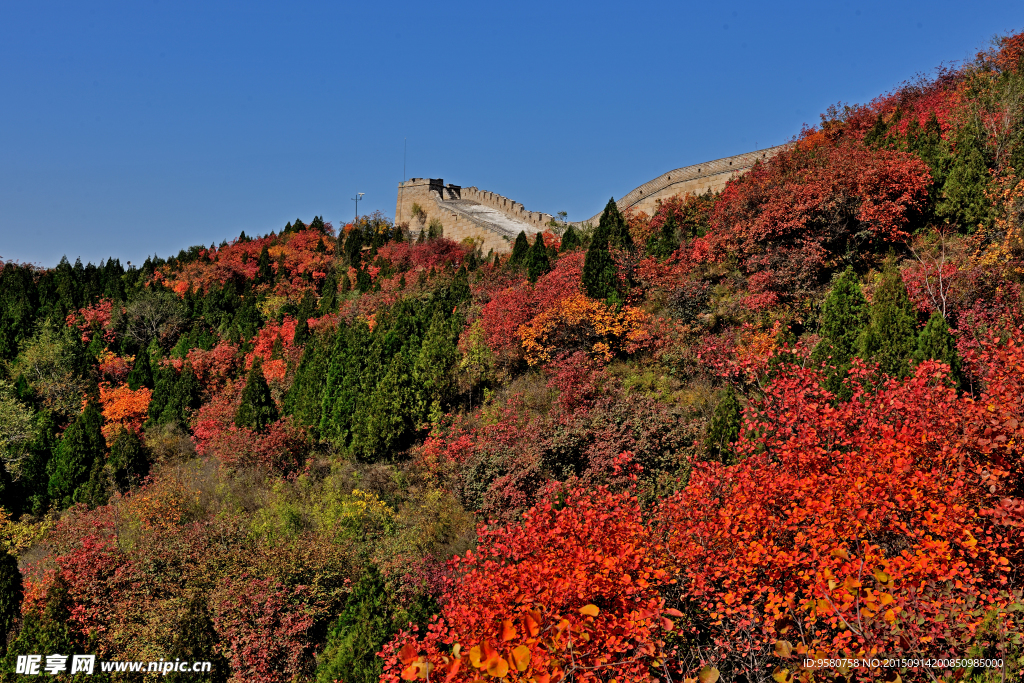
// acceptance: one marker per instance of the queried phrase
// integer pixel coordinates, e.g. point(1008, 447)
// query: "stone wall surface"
point(493, 221)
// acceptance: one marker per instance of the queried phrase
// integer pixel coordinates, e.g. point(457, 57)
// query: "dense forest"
point(755, 430)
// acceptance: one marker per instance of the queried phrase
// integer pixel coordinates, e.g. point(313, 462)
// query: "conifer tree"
point(195, 639)
point(142, 372)
point(257, 410)
point(724, 428)
point(329, 296)
point(434, 365)
point(185, 397)
point(614, 227)
point(50, 631)
point(372, 616)
point(364, 283)
point(666, 241)
point(166, 378)
point(304, 397)
point(519, 249)
point(128, 460)
point(263, 271)
point(844, 316)
point(537, 262)
point(342, 389)
point(354, 248)
point(936, 343)
point(306, 310)
point(570, 241)
point(600, 276)
point(890, 338)
point(963, 193)
point(282, 268)
point(81, 446)
point(385, 422)
point(11, 593)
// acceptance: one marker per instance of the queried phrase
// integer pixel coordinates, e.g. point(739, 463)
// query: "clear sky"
point(128, 128)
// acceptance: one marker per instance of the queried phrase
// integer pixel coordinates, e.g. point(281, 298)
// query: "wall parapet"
point(714, 173)
point(507, 206)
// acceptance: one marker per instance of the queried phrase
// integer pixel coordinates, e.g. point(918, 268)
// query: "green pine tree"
point(963, 193)
point(537, 262)
point(128, 460)
point(195, 639)
point(264, 273)
point(434, 369)
point(666, 241)
point(81, 446)
point(384, 423)
point(936, 343)
point(50, 631)
point(890, 338)
point(844, 316)
point(142, 372)
point(519, 249)
point(613, 226)
point(307, 308)
point(11, 593)
point(354, 248)
point(329, 297)
point(724, 429)
point(600, 275)
point(372, 617)
point(257, 410)
point(305, 396)
point(570, 241)
point(184, 400)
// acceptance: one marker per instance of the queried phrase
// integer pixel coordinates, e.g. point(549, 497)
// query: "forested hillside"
point(775, 424)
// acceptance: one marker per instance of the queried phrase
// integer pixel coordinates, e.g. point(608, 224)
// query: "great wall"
point(493, 221)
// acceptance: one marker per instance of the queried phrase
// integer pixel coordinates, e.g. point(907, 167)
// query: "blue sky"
point(132, 128)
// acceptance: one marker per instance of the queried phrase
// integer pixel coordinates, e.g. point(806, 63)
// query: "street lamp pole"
point(359, 195)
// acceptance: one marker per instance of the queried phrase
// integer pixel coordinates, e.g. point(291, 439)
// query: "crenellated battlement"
point(494, 220)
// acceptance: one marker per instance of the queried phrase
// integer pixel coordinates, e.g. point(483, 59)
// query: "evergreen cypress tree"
point(613, 225)
point(963, 193)
point(364, 283)
point(257, 410)
point(371, 618)
point(844, 316)
point(666, 241)
point(11, 593)
point(519, 249)
point(166, 378)
point(48, 632)
point(195, 639)
point(384, 422)
point(264, 273)
point(890, 339)
point(305, 396)
point(600, 275)
point(128, 460)
point(142, 372)
point(537, 263)
point(570, 241)
point(306, 309)
point(329, 296)
point(724, 428)
point(936, 343)
point(80, 447)
point(282, 268)
point(342, 390)
point(185, 398)
point(434, 366)
point(354, 248)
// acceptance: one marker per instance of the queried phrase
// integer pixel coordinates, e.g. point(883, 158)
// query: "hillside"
point(773, 425)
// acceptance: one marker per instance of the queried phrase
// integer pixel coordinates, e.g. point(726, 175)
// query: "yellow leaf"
point(498, 668)
point(781, 675)
point(474, 656)
point(590, 610)
point(521, 657)
point(783, 648)
point(708, 674)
